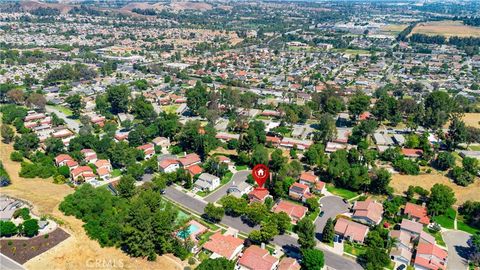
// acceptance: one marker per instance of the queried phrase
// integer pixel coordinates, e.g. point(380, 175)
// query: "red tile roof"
point(431, 256)
point(352, 229)
point(62, 157)
point(189, 159)
point(308, 177)
point(368, 209)
point(295, 211)
point(167, 162)
point(288, 264)
point(258, 194)
point(417, 211)
point(194, 169)
point(224, 245)
point(256, 258)
point(412, 152)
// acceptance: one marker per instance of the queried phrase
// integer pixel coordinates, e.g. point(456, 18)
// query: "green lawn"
point(462, 226)
point(474, 147)
point(313, 215)
point(437, 235)
point(446, 220)
point(170, 108)
point(241, 167)
point(202, 193)
point(344, 193)
point(226, 178)
point(353, 248)
point(63, 109)
point(116, 173)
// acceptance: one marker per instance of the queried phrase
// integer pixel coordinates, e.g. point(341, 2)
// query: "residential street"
point(72, 124)
point(458, 249)
point(237, 178)
point(288, 243)
point(332, 206)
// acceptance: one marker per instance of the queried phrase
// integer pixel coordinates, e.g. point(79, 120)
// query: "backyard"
point(344, 193)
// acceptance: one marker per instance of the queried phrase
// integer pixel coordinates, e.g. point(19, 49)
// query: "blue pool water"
point(189, 231)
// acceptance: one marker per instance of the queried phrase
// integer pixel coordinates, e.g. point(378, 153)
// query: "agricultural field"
point(447, 29)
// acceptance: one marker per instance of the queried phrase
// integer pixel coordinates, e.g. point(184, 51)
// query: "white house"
point(207, 181)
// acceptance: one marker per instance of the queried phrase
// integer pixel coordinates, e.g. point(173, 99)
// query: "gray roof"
point(207, 177)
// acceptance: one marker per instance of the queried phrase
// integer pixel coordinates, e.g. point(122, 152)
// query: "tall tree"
point(306, 233)
point(441, 199)
point(312, 259)
point(328, 232)
point(75, 104)
point(118, 96)
point(126, 186)
point(358, 104)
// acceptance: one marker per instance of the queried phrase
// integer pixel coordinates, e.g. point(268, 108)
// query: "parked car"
point(321, 213)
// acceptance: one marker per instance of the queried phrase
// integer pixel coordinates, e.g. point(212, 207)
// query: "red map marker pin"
point(260, 175)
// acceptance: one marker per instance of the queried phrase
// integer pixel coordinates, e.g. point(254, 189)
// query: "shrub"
point(16, 156)
point(407, 166)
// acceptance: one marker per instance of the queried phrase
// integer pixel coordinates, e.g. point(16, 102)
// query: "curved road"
point(288, 243)
point(332, 206)
point(458, 249)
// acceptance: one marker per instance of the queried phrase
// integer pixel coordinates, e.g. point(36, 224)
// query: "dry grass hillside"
point(78, 251)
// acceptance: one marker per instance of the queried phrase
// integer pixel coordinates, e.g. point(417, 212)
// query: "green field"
point(341, 192)
point(462, 226)
point(63, 109)
point(446, 220)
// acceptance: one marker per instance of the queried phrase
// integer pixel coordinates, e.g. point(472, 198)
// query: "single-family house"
point(294, 211)
point(161, 141)
point(207, 182)
point(89, 155)
point(417, 213)
point(430, 257)
point(148, 150)
point(412, 227)
point(239, 189)
point(351, 230)
point(168, 165)
point(62, 159)
point(412, 153)
point(299, 192)
point(194, 170)
point(82, 174)
point(258, 195)
point(308, 179)
point(368, 212)
point(288, 263)
point(189, 160)
point(256, 258)
point(226, 246)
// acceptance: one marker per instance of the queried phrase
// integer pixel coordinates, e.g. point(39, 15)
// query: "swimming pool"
point(192, 229)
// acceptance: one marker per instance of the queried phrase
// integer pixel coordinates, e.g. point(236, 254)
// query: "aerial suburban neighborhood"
point(240, 135)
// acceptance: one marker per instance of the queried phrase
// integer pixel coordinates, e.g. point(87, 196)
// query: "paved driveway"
point(8, 264)
point(458, 249)
point(237, 178)
point(332, 206)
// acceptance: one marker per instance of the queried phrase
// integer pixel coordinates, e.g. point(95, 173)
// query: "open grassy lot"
point(400, 184)
point(344, 193)
point(447, 29)
point(392, 29)
point(63, 109)
point(472, 119)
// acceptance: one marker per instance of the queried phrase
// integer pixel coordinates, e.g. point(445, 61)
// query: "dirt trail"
point(78, 251)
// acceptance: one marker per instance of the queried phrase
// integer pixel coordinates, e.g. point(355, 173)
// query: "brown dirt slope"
point(78, 251)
